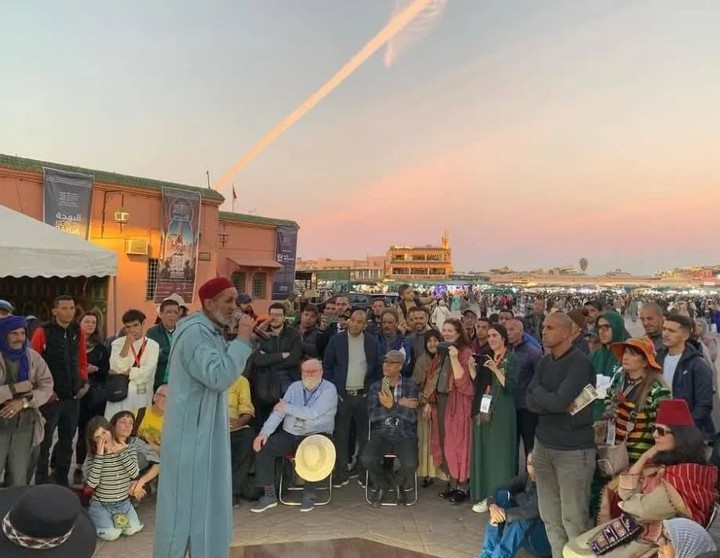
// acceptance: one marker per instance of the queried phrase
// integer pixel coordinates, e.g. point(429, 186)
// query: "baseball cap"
point(394, 356)
point(244, 298)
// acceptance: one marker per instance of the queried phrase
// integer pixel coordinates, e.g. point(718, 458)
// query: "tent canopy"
point(31, 248)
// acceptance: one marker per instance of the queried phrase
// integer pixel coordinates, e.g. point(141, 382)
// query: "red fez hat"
point(213, 287)
point(674, 412)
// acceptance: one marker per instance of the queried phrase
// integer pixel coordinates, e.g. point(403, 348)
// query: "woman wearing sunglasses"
point(671, 479)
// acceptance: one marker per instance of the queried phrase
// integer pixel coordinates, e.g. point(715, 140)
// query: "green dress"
point(494, 455)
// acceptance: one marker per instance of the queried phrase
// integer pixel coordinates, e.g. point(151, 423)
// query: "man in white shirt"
point(135, 357)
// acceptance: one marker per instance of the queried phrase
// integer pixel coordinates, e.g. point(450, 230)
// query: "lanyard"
point(498, 359)
point(308, 396)
point(138, 355)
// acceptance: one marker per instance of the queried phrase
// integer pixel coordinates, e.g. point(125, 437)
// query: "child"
point(110, 469)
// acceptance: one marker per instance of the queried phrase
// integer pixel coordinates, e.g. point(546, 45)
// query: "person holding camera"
point(494, 458)
point(455, 393)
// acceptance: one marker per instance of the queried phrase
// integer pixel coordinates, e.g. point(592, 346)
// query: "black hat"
point(244, 298)
point(44, 521)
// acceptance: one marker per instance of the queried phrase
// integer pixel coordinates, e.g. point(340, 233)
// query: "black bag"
point(116, 387)
point(95, 397)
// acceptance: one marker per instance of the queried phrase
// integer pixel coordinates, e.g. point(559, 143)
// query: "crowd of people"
point(454, 391)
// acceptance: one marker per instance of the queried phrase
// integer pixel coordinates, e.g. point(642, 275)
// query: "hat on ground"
point(315, 458)
point(213, 287)
point(398, 357)
point(674, 412)
point(689, 538)
point(5, 305)
point(44, 521)
point(642, 344)
point(244, 298)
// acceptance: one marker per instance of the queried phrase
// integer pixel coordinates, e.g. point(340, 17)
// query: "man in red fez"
point(194, 507)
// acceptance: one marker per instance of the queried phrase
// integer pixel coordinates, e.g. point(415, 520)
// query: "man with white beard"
point(308, 407)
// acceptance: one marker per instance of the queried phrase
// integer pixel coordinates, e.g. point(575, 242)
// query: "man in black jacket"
point(687, 371)
point(276, 362)
point(308, 331)
point(351, 363)
point(515, 519)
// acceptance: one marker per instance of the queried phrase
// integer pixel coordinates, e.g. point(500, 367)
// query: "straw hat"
point(315, 458)
point(643, 344)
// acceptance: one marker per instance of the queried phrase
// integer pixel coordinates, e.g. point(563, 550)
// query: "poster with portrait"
point(285, 254)
point(67, 198)
point(180, 244)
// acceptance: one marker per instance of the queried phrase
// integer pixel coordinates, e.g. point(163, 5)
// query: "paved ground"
point(433, 526)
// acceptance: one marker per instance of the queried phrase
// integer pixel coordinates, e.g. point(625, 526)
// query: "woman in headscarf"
point(611, 329)
point(425, 374)
point(683, 538)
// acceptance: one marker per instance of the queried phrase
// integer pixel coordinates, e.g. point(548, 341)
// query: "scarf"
point(603, 359)
point(11, 323)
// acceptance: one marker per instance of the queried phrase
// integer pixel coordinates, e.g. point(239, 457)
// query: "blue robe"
point(194, 507)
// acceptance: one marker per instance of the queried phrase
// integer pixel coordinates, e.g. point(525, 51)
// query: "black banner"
point(285, 252)
point(67, 201)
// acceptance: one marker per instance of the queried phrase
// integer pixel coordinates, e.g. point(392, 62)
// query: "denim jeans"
point(564, 505)
point(504, 540)
point(101, 517)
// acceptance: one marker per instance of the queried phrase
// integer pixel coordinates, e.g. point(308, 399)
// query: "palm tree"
point(583, 264)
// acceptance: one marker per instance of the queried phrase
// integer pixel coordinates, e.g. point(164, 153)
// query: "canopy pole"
point(114, 282)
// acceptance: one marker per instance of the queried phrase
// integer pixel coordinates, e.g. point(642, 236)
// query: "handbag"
point(485, 413)
point(619, 531)
point(612, 460)
point(116, 387)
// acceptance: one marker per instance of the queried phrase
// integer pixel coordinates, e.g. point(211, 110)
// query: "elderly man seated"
point(307, 408)
point(392, 404)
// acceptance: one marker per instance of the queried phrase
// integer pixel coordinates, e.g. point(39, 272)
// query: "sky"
point(535, 133)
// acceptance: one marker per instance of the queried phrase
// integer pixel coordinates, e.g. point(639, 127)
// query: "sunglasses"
point(662, 431)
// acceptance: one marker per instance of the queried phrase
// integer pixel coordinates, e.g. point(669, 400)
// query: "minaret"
point(445, 245)
point(445, 241)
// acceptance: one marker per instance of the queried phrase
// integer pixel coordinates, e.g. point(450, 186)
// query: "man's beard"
point(222, 319)
point(311, 384)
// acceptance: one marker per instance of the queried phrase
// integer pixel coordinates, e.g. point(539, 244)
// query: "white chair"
point(290, 457)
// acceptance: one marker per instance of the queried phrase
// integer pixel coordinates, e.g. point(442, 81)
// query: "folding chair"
point(392, 456)
point(290, 457)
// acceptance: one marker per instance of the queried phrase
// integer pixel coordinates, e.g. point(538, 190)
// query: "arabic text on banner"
point(67, 198)
point(285, 252)
point(180, 243)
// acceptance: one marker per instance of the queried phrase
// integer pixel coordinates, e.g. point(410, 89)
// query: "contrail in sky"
point(414, 31)
point(396, 24)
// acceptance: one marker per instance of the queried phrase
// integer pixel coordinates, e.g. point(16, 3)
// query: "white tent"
point(31, 248)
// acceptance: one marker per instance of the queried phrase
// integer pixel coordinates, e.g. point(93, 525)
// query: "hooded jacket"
point(603, 359)
point(692, 382)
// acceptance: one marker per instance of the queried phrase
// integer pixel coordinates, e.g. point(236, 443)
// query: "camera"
point(444, 348)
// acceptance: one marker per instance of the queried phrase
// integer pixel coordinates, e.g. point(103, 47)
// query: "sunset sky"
point(534, 132)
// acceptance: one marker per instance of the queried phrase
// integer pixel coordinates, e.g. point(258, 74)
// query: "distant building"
point(419, 263)
point(371, 269)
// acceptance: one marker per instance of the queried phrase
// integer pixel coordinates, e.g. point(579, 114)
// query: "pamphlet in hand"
point(587, 396)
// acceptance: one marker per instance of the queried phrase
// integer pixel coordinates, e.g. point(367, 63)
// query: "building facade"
point(242, 247)
point(419, 263)
point(371, 269)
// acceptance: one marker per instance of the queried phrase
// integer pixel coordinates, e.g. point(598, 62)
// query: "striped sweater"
point(111, 474)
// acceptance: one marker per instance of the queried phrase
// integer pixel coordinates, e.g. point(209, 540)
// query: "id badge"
point(142, 389)
point(485, 403)
point(611, 433)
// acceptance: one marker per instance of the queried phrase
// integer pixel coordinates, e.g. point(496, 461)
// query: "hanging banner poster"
point(180, 243)
point(285, 252)
point(67, 201)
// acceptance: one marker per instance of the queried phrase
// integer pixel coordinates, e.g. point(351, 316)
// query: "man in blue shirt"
point(307, 408)
point(392, 405)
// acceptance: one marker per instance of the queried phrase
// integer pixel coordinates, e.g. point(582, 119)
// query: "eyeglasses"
point(662, 431)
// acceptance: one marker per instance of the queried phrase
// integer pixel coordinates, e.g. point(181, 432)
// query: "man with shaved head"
point(564, 443)
point(652, 318)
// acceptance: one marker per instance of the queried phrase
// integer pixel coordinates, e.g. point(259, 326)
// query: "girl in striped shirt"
point(110, 468)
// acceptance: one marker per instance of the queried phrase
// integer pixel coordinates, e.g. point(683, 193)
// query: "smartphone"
point(386, 385)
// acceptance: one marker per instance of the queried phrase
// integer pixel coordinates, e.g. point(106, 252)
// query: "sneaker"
point(340, 483)
point(480, 507)
point(130, 531)
point(263, 504)
point(353, 474)
point(361, 482)
point(308, 504)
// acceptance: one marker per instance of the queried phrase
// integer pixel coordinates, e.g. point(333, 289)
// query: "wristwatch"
point(26, 403)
